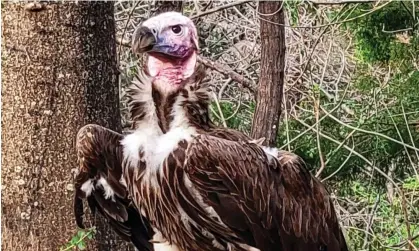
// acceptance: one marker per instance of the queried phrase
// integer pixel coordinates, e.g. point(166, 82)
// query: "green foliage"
point(78, 241)
point(385, 108)
point(376, 33)
point(384, 103)
point(235, 117)
point(388, 222)
point(292, 10)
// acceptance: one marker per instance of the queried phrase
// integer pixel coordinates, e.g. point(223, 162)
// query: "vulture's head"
point(171, 42)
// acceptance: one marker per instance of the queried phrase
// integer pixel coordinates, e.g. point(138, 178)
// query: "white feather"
point(271, 152)
point(143, 139)
point(123, 182)
point(108, 191)
point(155, 145)
point(160, 243)
point(165, 247)
point(87, 187)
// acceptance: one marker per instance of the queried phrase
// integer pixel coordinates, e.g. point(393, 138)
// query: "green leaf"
point(90, 235)
point(80, 233)
point(74, 240)
point(81, 245)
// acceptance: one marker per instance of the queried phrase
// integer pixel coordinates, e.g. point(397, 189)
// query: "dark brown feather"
point(269, 202)
point(100, 156)
point(280, 206)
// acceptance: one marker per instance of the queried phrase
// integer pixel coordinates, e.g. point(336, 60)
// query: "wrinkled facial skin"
point(175, 41)
point(170, 40)
point(170, 34)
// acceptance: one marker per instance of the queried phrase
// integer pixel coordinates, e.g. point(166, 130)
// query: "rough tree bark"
point(59, 73)
point(271, 81)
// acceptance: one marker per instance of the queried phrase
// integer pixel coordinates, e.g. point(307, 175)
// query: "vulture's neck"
point(152, 107)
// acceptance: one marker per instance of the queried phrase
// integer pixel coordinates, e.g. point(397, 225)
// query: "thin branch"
point(354, 152)
point(370, 220)
point(411, 138)
point(219, 8)
point(123, 42)
point(129, 19)
point(312, 126)
point(345, 161)
point(336, 2)
point(316, 110)
point(406, 219)
point(227, 71)
point(219, 110)
point(332, 23)
point(369, 132)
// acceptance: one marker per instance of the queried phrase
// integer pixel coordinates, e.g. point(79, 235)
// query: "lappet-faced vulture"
point(188, 183)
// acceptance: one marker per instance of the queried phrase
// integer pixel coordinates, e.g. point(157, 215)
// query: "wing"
point(98, 179)
point(229, 134)
point(271, 202)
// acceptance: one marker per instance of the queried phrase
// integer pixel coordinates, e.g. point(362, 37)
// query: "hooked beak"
point(143, 40)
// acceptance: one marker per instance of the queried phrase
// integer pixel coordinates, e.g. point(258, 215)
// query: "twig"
point(352, 151)
point(223, 87)
point(316, 110)
point(123, 42)
point(210, 11)
point(332, 2)
point(369, 222)
point(332, 23)
point(404, 242)
point(369, 132)
point(227, 71)
point(411, 138)
point(406, 219)
point(312, 126)
point(219, 110)
point(129, 19)
point(235, 112)
point(346, 160)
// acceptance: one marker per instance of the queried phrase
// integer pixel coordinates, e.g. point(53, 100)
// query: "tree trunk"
point(271, 81)
point(59, 73)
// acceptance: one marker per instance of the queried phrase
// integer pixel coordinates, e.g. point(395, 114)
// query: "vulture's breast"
point(152, 147)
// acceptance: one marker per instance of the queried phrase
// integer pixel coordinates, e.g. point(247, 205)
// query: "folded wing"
point(99, 181)
point(267, 197)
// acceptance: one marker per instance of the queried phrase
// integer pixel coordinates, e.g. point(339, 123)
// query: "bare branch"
point(227, 71)
point(213, 10)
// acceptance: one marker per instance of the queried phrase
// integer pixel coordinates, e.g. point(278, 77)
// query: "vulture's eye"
point(176, 29)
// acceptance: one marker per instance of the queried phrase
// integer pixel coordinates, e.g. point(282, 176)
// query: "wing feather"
point(99, 181)
point(282, 204)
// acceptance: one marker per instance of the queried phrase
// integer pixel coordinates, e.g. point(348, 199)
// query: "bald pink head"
point(171, 41)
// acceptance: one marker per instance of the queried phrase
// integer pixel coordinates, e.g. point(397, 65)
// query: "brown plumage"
point(262, 201)
point(199, 187)
point(100, 158)
point(265, 201)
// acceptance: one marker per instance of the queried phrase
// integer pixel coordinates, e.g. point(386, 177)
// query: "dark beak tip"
point(143, 40)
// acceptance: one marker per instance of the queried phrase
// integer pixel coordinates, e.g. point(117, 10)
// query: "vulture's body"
point(180, 180)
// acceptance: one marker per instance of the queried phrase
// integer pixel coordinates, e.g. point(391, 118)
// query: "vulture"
point(177, 182)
